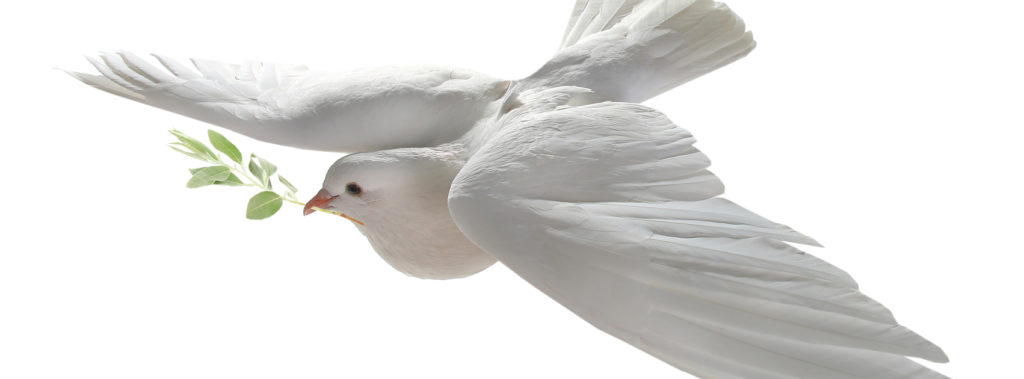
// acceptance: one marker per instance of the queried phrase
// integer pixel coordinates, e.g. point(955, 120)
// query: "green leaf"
point(257, 170)
point(263, 205)
point(221, 143)
point(232, 180)
point(208, 175)
point(287, 184)
point(182, 150)
point(195, 146)
point(267, 166)
point(262, 169)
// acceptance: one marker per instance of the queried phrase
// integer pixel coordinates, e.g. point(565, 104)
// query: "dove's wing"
point(365, 110)
point(632, 50)
point(609, 209)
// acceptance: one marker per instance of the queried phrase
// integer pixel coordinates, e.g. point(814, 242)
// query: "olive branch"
point(233, 172)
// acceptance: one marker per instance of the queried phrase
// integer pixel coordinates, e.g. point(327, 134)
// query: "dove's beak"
point(322, 200)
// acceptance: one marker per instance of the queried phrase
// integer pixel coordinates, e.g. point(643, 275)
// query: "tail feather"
point(632, 50)
point(590, 17)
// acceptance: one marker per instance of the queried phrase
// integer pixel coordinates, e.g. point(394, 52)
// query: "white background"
point(889, 131)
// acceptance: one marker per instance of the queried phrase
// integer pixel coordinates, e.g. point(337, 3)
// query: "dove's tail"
point(632, 50)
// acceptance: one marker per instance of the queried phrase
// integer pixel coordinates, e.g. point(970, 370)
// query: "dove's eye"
point(353, 189)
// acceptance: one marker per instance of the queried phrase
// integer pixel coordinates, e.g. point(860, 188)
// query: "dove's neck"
point(412, 228)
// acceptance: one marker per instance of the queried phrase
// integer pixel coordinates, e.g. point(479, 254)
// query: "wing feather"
point(177, 68)
point(292, 105)
point(559, 195)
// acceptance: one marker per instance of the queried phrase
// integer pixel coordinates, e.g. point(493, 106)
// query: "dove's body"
point(607, 207)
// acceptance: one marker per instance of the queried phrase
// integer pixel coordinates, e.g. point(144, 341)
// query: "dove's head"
point(399, 200)
point(357, 184)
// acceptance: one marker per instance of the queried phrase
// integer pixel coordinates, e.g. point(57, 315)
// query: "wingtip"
point(796, 237)
point(809, 241)
point(80, 76)
point(102, 83)
point(77, 75)
point(69, 72)
point(934, 353)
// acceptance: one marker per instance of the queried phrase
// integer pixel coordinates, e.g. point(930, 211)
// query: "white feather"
point(632, 50)
point(693, 279)
point(291, 105)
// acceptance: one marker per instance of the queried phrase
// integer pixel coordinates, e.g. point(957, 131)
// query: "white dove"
point(602, 204)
